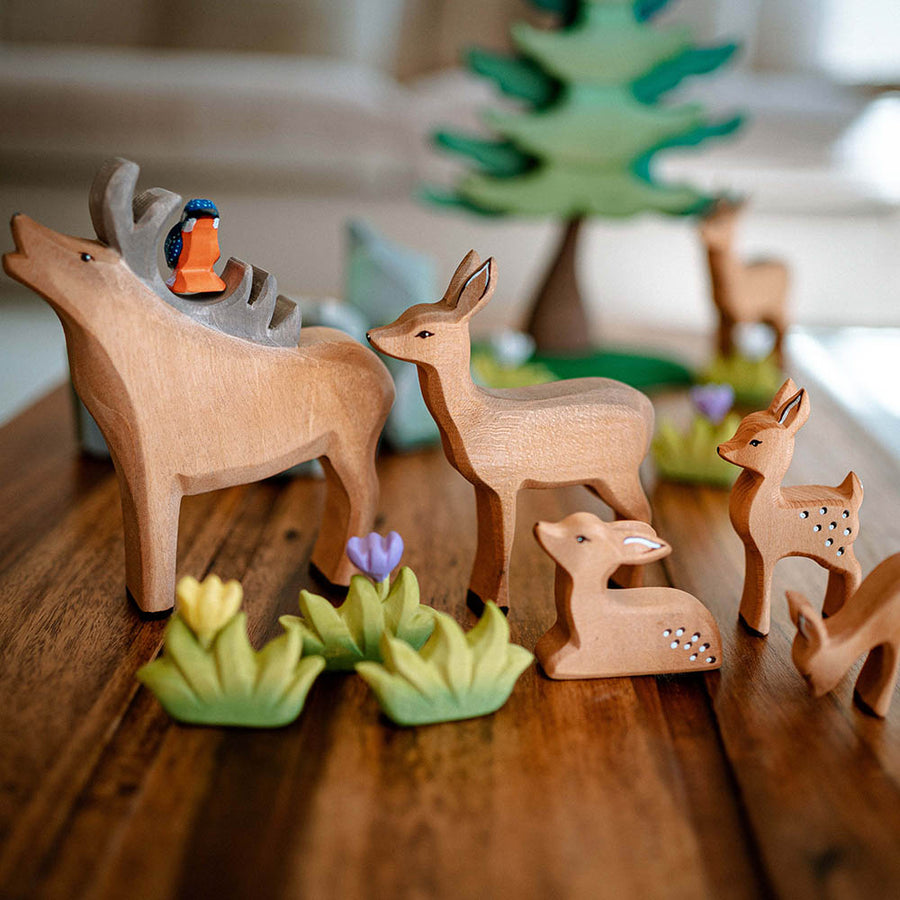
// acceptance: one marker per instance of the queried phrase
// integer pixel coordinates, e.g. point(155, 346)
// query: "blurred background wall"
point(294, 115)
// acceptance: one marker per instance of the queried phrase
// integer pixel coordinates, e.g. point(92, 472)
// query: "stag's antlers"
point(250, 307)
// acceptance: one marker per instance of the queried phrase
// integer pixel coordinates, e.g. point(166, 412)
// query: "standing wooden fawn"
point(602, 633)
point(590, 431)
point(742, 292)
point(824, 650)
point(817, 522)
point(195, 398)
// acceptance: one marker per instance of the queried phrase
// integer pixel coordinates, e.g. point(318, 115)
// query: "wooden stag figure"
point(825, 650)
point(192, 396)
point(590, 431)
point(809, 520)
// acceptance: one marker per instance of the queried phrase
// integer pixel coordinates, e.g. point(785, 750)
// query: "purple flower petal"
point(375, 555)
point(714, 401)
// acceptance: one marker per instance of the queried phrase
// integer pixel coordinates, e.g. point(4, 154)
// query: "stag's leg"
point(842, 584)
point(778, 327)
point(351, 501)
point(725, 335)
point(627, 499)
point(877, 680)
point(496, 528)
point(150, 507)
point(756, 598)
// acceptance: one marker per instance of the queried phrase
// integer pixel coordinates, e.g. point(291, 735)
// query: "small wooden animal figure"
point(192, 249)
point(590, 431)
point(817, 522)
point(603, 633)
point(185, 405)
point(824, 650)
point(742, 292)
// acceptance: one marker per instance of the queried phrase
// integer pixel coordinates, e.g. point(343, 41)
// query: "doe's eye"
point(581, 539)
point(86, 257)
point(755, 443)
point(425, 334)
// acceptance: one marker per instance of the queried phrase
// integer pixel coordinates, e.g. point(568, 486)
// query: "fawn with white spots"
point(602, 632)
point(820, 523)
point(823, 651)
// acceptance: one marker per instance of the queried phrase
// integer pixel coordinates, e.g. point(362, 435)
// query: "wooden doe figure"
point(823, 651)
point(603, 633)
point(590, 431)
point(743, 293)
point(192, 396)
point(817, 522)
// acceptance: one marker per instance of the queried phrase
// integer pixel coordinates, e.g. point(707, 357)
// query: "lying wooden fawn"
point(187, 408)
point(601, 633)
point(823, 651)
point(742, 292)
point(817, 522)
point(590, 431)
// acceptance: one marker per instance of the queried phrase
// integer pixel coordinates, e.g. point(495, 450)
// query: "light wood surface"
point(185, 408)
point(602, 633)
point(731, 784)
point(588, 431)
point(820, 523)
point(742, 292)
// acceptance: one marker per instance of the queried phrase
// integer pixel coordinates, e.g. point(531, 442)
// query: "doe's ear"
point(477, 290)
point(470, 263)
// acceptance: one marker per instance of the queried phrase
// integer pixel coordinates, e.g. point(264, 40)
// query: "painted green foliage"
point(353, 631)
point(596, 121)
point(454, 676)
point(209, 674)
point(755, 381)
point(691, 456)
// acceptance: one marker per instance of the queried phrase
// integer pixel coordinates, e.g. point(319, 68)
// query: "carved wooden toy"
point(220, 396)
point(824, 650)
point(817, 522)
point(590, 431)
point(603, 633)
point(742, 292)
point(192, 249)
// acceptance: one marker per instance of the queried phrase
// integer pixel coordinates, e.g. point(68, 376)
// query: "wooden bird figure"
point(824, 650)
point(820, 523)
point(184, 404)
point(590, 431)
point(192, 249)
point(603, 633)
point(743, 293)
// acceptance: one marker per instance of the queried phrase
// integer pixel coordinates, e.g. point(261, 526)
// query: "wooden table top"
point(724, 784)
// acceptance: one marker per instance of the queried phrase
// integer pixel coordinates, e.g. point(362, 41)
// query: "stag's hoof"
point(476, 604)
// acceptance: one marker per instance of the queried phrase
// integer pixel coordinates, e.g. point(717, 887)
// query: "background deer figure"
point(590, 431)
point(603, 633)
point(742, 292)
point(817, 522)
point(186, 408)
point(824, 650)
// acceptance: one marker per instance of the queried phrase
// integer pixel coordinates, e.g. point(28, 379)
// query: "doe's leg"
point(496, 529)
point(627, 499)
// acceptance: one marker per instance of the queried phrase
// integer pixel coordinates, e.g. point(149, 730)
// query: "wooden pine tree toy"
point(743, 293)
point(817, 522)
point(603, 633)
point(195, 395)
point(590, 431)
point(824, 650)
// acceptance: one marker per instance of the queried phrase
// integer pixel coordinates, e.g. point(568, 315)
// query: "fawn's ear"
point(638, 548)
point(469, 265)
point(788, 389)
point(808, 621)
point(794, 412)
point(477, 290)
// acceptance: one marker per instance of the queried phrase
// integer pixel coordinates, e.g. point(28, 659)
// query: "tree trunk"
point(558, 322)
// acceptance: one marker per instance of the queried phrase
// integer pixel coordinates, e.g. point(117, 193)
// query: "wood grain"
point(732, 784)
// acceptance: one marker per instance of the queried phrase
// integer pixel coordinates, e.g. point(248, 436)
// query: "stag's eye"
point(582, 539)
point(86, 257)
point(425, 334)
point(755, 443)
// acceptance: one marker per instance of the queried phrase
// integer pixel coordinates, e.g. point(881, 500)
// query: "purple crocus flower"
point(376, 555)
point(714, 401)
